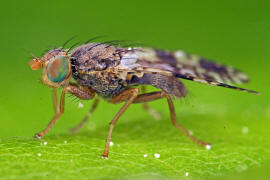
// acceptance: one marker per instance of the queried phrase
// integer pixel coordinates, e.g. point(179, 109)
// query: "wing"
point(161, 69)
point(155, 77)
point(189, 64)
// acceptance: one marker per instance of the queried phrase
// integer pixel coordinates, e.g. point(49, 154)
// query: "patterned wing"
point(162, 69)
point(189, 64)
point(160, 79)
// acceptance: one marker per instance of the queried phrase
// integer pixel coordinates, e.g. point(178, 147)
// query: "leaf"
point(57, 156)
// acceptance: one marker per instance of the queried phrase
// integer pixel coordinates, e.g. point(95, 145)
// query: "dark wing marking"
point(138, 75)
point(214, 83)
point(189, 64)
point(169, 84)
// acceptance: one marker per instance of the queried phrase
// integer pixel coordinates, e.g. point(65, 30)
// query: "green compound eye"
point(57, 69)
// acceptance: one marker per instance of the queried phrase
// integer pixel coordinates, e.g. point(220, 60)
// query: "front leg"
point(82, 93)
point(54, 98)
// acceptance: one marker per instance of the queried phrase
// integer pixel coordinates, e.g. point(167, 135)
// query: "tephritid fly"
point(112, 72)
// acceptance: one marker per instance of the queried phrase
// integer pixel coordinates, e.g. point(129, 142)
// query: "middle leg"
point(86, 117)
point(128, 95)
point(156, 115)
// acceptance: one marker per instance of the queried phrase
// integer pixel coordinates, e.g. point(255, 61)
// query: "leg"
point(75, 90)
point(156, 115)
point(177, 125)
point(55, 103)
point(80, 92)
point(142, 98)
point(56, 117)
point(83, 122)
point(129, 95)
point(148, 97)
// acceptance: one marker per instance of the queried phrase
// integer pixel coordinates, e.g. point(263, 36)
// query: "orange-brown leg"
point(156, 115)
point(55, 102)
point(142, 98)
point(81, 93)
point(55, 118)
point(128, 95)
point(148, 97)
point(177, 125)
point(86, 117)
point(132, 97)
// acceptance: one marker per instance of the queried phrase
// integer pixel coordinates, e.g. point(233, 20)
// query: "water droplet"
point(157, 155)
point(145, 155)
point(80, 105)
point(111, 143)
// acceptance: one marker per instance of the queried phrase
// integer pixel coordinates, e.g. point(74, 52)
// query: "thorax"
point(91, 67)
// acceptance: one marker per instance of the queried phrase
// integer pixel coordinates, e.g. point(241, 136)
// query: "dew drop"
point(157, 155)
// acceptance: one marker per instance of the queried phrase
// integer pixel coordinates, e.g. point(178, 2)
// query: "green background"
point(231, 32)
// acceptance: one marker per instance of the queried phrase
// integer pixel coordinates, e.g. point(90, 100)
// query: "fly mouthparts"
point(35, 64)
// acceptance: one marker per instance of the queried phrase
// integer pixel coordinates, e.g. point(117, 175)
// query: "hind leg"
point(179, 126)
point(143, 98)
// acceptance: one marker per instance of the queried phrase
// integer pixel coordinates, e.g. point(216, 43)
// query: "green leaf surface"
point(138, 135)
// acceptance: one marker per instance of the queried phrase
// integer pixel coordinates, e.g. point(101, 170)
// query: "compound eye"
point(57, 69)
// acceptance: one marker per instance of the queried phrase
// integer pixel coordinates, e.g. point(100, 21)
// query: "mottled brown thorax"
point(90, 68)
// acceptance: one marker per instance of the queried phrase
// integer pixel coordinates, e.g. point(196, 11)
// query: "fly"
point(119, 74)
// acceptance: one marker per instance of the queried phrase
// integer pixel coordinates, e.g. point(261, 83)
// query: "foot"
point(104, 156)
point(37, 136)
point(78, 127)
point(74, 130)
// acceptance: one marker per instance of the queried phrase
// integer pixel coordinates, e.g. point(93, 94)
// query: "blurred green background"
point(231, 32)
